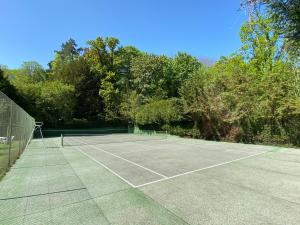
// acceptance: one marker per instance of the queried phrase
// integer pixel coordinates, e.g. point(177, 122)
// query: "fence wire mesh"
point(16, 127)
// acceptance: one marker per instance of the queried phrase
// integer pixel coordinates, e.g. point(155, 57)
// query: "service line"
point(129, 161)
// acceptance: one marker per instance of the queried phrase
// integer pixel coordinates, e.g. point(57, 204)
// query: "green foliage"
point(184, 65)
point(110, 63)
point(7, 88)
point(101, 54)
point(34, 71)
point(260, 44)
point(55, 101)
point(159, 112)
point(182, 132)
point(110, 95)
point(130, 106)
point(251, 96)
point(125, 57)
point(49, 101)
point(69, 50)
point(69, 71)
point(68, 66)
point(204, 104)
point(150, 76)
point(89, 104)
point(285, 19)
point(71, 68)
point(5, 85)
point(246, 97)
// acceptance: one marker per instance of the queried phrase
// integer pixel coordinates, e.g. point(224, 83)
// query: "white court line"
point(30, 138)
point(172, 177)
point(113, 172)
point(145, 168)
point(130, 141)
point(205, 168)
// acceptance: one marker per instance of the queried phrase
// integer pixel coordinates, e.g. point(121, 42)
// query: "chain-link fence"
point(16, 127)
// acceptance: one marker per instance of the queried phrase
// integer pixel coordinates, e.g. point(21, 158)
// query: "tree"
point(204, 104)
point(7, 88)
point(89, 104)
point(55, 102)
point(240, 90)
point(33, 71)
point(159, 112)
point(151, 74)
point(130, 105)
point(184, 65)
point(46, 100)
point(69, 50)
point(125, 57)
point(72, 68)
point(260, 44)
point(101, 57)
point(285, 17)
point(68, 66)
point(101, 54)
point(250, 96)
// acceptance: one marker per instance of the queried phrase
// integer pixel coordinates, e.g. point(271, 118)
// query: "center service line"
point(145, 168)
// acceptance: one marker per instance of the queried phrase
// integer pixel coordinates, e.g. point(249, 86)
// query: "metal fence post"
point(9, 132)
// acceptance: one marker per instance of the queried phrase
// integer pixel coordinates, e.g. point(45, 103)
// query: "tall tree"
point(260, 44)
point(184, 66)
point(151, 74)
point(111, 63)
point(285, 16)
point(69, 50)
point(67, 65)
point(203, 103)
point(33, 71)
point(71, 67)
point(7, 88)
point(101, 57)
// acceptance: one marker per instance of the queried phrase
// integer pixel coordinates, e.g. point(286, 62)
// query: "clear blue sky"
point(33, 29)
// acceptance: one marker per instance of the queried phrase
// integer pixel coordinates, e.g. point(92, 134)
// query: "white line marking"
point(96, 161)
point(145, 168)
point(129, 141)
point(30, 138)
point(97, 130)
point(205, 168)
point(165, 178)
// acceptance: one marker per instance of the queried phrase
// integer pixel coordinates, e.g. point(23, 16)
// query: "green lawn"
point(3, 159)
point(4, 156)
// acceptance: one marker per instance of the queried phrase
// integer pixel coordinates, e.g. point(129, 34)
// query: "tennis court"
point(151, 179)
point(141, 159)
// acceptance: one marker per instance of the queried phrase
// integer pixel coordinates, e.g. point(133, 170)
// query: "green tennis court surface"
point(131, 179)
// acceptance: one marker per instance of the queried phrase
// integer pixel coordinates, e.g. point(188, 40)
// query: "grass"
point(3, 159)
point(4, 156)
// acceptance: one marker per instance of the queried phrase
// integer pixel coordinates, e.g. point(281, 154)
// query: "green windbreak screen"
point(16, 127)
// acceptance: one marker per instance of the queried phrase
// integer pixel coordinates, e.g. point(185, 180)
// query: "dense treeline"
point(251, 96)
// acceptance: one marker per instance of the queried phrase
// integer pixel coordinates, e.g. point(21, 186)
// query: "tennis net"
point(94, 139)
